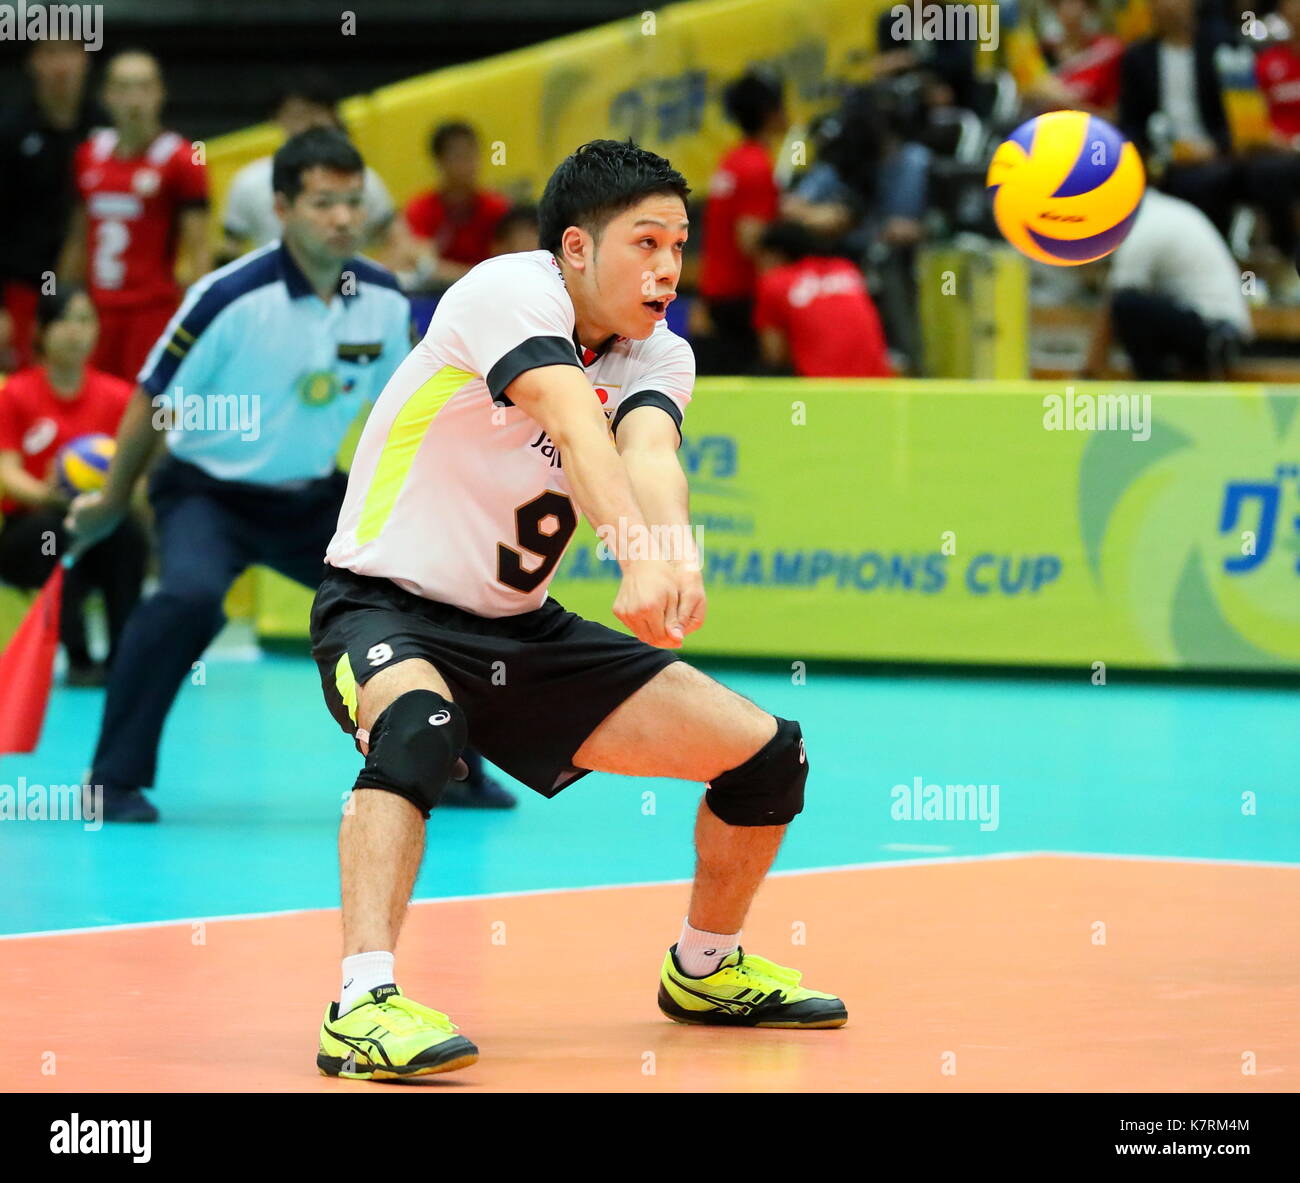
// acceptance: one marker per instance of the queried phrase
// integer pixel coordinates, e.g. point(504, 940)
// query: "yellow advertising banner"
point(1028, 523)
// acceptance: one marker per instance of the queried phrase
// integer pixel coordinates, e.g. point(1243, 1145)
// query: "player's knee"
point(414, 745)
point(767, 789)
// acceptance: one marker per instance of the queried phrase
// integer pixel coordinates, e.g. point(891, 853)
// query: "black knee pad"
point(767, 789)
point(414, 745)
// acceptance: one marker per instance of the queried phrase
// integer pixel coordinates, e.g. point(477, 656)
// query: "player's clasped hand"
point(691, 600)
point(647, 602)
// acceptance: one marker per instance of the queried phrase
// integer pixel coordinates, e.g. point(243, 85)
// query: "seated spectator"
point(42, 409)
point(869, 189)
point(1278, 72)
point(1175, 297)
point(1171, 105)
point(813, 314)
point(305, 100)
point(1084, 59)
point(869, 183)
point(517, 231)
point(742, 200)
point(947, 64)
point(449, 229)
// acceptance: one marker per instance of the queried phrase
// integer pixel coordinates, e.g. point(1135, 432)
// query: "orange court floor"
point(995, 973)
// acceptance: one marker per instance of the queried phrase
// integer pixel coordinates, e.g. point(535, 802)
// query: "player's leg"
point(381, 838)
point(683, 724)
point(375, 1032)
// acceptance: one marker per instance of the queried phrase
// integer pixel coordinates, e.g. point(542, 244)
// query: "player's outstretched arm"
point(647, 439)
point(560, 399)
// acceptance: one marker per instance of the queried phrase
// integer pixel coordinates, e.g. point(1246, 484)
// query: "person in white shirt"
point(547, 385)
point(249, 219)
point(1175, 296)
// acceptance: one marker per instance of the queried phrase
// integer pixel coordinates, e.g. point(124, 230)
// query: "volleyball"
point(1066, 188)
point(82, 464)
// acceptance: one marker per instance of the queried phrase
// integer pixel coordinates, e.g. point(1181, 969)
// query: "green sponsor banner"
point(1143, 525)
point(1027, 523)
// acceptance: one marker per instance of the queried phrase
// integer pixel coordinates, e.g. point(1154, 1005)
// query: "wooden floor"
point(988, 975)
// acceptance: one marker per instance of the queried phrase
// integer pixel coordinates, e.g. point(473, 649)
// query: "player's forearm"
point(602, 485)
point(662, 492)
point(137, 440)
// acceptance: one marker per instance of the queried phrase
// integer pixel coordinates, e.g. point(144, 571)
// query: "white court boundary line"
point(883, 864)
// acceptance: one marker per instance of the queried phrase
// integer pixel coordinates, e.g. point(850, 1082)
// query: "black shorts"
point(533, 687)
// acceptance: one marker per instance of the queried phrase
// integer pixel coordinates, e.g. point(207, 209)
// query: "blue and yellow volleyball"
point(82, 464)
point(1066, 188)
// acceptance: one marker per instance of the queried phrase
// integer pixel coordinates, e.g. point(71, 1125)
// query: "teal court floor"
point(254, 772)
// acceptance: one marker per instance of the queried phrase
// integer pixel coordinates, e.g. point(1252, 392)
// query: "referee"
point(259, 375)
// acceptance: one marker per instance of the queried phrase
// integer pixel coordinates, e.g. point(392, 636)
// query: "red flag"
point(27, 669)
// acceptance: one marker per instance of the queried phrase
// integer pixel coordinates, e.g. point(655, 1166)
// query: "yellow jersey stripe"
point(404, 439)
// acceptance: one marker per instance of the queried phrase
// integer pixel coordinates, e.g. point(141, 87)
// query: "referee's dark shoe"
point(470, 786)
point(118, 803)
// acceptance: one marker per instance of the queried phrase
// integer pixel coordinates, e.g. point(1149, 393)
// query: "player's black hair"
point(791, 240)
point(317, 147)
point(50, 306)
point(444, 133)
point(751, 99)
point(599, 181)
point(313, 86)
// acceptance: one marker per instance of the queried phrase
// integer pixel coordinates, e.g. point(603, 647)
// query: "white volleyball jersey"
point(456, 494)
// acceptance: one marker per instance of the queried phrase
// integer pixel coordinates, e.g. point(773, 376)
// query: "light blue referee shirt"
point(263, 377)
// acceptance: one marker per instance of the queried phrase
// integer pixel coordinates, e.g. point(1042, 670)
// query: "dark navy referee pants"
point(209, 531)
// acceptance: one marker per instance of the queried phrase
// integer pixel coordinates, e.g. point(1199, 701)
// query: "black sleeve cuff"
point(650, 398)
point(536, 351)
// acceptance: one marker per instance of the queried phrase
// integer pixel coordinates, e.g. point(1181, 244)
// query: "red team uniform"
point(1093, 73)
point(133, 206)
point(1278, 72)
point(743, 187)
point(461, 236)
point(822, 308)
point(35, 422)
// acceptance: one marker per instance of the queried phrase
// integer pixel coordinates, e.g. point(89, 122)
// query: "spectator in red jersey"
point(37, 139)
point(1278, 72)
point(144, 199)
point(42, 409)
point(1084, 60)
point(813, 314)
point(451, 228)
point(743, 199)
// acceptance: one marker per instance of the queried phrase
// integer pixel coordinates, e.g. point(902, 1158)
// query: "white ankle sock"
point(362, 972)
point(699, 953)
